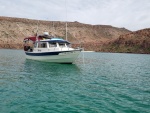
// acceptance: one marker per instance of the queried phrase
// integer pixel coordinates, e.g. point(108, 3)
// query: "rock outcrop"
point(92, 37)
point(134, 42)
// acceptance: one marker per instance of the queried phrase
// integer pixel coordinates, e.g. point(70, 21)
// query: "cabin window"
point(68, 45)
point(35, 45)
point(52, 45)
point(42, 45)
point(62, 45)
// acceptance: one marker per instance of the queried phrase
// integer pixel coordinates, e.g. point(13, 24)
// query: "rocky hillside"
point(92, 37)
point(134, 42)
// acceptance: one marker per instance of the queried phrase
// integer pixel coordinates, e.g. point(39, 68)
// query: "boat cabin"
point(53, 44)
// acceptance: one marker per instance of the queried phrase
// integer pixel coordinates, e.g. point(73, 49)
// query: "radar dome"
point(46, 33)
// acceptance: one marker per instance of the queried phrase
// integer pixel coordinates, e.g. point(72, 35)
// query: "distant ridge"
point(134, 42)
point(93, 37)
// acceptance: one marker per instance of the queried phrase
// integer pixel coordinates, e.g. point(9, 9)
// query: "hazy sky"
point(131, 14)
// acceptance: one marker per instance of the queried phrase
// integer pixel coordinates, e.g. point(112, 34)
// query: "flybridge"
point(53, 40)
point(39, 37)
point(42, 39)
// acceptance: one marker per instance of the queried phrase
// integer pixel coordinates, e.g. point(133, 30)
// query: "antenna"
point(37, 29)
point(54, 30)
point(66, 30)
point(66, 18)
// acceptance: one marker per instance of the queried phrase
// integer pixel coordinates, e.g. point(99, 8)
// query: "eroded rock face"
point(92, 37)
point(134, 42)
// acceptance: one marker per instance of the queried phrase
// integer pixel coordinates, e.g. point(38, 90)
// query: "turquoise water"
point(104, 83)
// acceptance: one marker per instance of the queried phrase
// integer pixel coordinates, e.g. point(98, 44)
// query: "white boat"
point(50, 49)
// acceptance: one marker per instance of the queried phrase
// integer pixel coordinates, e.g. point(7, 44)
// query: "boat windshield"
point(68, 44)
point(42, 45)
point(52, 44)
point(62, 45)
point(35, 44)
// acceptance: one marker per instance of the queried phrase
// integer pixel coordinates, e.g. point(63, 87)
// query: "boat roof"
point(55, 40)
point(41, 39)
point(46, 38)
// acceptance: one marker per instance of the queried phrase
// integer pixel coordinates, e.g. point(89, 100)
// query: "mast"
point(53, 30)
point(66, 30)
point(66, 19)
point(37, 29)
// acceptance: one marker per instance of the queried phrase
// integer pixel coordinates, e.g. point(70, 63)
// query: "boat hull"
point(54, 57)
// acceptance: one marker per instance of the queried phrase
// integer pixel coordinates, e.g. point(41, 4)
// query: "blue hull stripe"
point(45, 53)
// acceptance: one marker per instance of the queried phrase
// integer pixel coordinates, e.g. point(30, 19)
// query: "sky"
point(130, 14)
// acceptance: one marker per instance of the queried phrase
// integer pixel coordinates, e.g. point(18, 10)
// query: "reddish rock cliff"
point(14, 30)
point(134, 42)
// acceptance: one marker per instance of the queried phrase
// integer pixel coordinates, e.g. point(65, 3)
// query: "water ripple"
point(103, 83)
